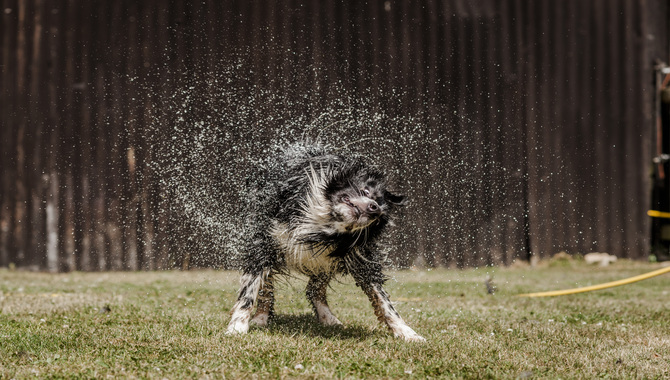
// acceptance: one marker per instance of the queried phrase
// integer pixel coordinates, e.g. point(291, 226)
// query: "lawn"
point(172, 324)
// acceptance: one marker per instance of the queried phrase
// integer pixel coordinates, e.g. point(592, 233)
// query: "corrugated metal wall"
point(532, 119)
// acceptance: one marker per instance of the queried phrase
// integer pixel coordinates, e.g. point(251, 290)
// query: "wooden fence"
point(534, 119)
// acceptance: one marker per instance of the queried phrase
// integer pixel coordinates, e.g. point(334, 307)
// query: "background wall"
point(521, 127)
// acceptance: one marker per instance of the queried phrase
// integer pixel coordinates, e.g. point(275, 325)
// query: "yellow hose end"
point(658, 214)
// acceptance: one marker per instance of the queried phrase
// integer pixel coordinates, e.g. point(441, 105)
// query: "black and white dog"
point(320, 214)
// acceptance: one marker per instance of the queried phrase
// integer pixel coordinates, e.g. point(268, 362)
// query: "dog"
point(321, 214)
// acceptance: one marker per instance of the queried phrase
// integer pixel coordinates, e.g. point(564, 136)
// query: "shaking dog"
point(321, 214)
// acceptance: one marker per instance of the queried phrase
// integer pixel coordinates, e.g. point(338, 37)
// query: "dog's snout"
point(362, 205)
point(366, 205)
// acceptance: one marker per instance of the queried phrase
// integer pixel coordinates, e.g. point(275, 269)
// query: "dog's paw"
point(414, 338)
point(261, 320)
point(330, 320)
point(409, 335)
point(236, 328)
point(325, 316)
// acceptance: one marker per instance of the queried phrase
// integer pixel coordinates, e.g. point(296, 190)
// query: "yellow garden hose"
point(598, 287)
point(653, 214)
point(658, 214)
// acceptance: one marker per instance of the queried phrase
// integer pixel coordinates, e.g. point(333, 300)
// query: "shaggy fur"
point(320, 214)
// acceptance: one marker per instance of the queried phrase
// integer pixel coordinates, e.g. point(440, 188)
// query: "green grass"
point(172, 324)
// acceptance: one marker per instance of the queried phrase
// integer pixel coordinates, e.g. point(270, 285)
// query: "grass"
point(171, 325)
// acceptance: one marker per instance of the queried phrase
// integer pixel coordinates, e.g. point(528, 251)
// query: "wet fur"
point(320, 214)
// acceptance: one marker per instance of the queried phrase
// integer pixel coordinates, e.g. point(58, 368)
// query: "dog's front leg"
point(316, 293)
point(266, 301)
point(387, 314)
point(241, 313)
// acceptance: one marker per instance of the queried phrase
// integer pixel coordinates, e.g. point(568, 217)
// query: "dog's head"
point(359, 198)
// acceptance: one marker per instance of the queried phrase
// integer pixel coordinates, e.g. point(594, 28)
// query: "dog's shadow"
point(306, 324)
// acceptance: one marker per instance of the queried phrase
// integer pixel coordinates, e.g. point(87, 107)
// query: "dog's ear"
point(394, 199)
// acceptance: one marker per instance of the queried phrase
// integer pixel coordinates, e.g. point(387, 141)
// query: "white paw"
point(405, 332)
point(237, 327)
point(414, 338)
point(261, 320)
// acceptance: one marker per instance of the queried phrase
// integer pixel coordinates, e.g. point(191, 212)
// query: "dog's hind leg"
point(387, 314)
point(316, 294)
point(266, 301)
point(241, 313)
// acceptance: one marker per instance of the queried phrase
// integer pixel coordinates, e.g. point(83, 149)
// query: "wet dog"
point(321, 214)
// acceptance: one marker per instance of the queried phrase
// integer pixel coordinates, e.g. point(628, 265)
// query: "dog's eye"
point(366, 192)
